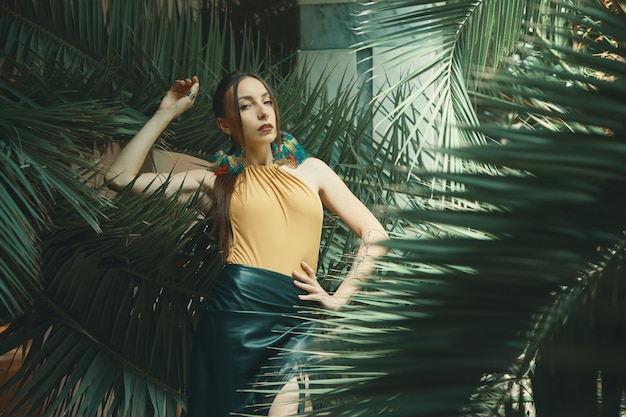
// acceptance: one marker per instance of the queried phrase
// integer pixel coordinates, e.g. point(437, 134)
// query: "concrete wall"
point(328, 39)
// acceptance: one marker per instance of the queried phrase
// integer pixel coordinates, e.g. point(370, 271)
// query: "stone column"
point(327, 40)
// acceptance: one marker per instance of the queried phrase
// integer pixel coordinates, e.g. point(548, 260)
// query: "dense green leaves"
point(515, 229)
point(528, 242)
point(102, 292)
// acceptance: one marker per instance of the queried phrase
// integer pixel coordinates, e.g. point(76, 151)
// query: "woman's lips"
point(266, 128)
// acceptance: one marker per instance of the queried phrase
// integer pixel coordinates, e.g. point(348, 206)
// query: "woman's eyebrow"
point(251, 98)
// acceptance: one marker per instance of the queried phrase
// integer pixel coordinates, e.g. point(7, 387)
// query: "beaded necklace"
point(289, 153)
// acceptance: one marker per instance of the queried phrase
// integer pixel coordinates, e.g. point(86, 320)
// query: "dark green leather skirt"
point(250, 326)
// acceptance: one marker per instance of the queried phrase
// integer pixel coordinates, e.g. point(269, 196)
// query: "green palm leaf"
point(449, 322)
point(466, 289)
point(106, 326)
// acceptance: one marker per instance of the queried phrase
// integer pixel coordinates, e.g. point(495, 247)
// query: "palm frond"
point(441, 45)
point(107, 329)
point(113, 320)
point(101, 325)
point(449, 320)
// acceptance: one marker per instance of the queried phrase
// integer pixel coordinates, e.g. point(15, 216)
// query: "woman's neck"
point(259, 155)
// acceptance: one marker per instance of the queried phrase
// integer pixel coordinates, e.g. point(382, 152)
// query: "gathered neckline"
point(273, 164)
point(262, 167)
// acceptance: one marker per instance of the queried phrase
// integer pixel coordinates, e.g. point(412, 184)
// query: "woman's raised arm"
point(125, 168)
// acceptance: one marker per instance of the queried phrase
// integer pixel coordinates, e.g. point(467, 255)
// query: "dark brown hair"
point(225, 184)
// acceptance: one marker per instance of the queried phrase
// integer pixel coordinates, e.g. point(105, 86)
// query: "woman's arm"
point(338, 198)
point(125, 168)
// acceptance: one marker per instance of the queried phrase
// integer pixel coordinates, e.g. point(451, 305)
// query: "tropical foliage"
point(516, 230)
point(100, 293)
point(525, 278)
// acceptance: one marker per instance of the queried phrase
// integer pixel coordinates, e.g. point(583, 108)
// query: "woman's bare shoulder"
point(316, 173)
point(307, 171)
point(314, 164)
point(321, 170)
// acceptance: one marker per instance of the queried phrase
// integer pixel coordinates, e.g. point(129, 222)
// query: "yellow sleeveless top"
point(276, 220)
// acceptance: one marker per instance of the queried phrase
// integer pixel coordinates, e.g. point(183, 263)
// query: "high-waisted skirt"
point(252, 333)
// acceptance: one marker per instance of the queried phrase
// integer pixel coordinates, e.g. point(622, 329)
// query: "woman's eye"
point(269, 102)
point(244, 107)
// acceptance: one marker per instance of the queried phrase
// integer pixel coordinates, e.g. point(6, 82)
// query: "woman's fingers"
point(308, 282)
point(304, 282)
point(178, 86)
point(186, 86)
point(314, 291)
point(181, 96)
point(306, 279)
point(307, 268)
point(193, 90)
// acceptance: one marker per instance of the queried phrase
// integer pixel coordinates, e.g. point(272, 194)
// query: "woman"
point(267, 201)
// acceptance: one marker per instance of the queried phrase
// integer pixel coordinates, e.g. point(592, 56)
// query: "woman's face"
point(258, 115)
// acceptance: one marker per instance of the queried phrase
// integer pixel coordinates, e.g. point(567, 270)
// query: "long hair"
point(225, 184)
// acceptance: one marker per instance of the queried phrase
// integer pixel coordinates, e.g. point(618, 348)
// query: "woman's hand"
point(308, 282)
point(180, 97)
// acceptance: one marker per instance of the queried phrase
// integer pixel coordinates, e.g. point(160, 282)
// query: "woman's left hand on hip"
point(308, 282)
